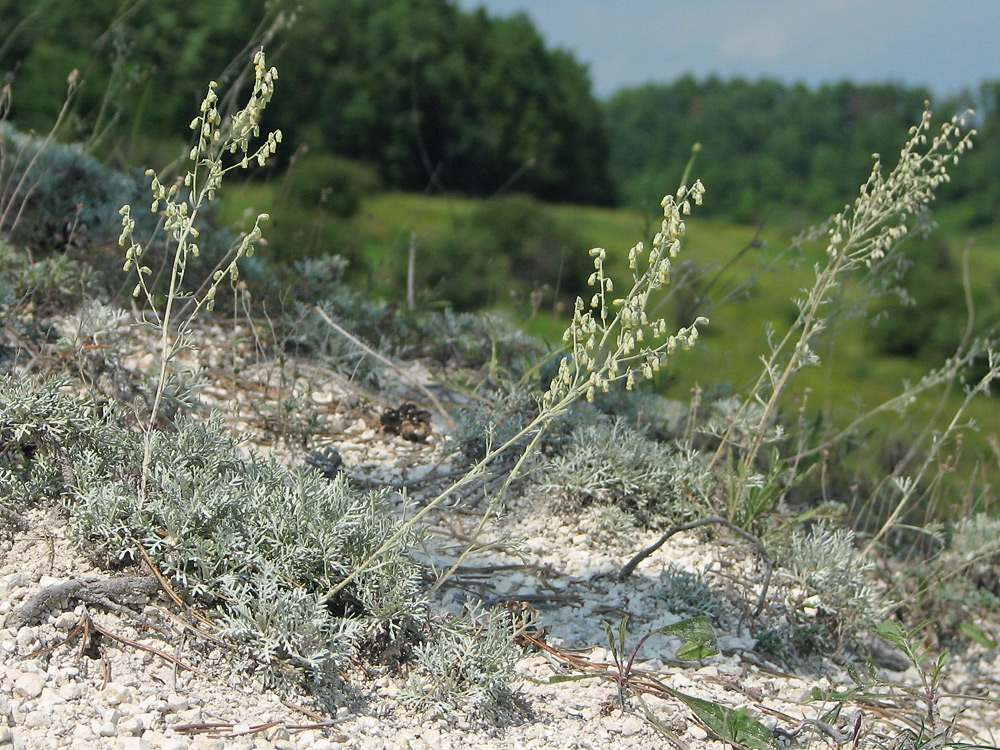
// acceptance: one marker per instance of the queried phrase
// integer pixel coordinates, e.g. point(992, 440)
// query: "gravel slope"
point(118, 693)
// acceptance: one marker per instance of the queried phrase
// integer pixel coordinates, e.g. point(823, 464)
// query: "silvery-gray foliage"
point(688, 593)
point(40, 419)
point(255, 542)
point(258, 541)
point(467, 664)
point(609, 462)
point(975, 549)
point(827, 564)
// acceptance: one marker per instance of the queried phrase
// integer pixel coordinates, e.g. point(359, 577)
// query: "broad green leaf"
point(977, 636)
point(895, 633)
point(692, 651)
point(699, 635)
point(729, 725)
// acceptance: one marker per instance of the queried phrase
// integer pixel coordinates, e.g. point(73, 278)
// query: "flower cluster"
point(215, 138)
point(629, 345)
point(868, 231)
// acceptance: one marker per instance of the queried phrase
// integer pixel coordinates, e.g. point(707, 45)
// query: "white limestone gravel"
point(122, 697)
point(126, 698)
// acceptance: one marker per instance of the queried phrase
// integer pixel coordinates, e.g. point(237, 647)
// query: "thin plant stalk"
point(603, 349)
point(182, 204)
point(910, 485)
point(11, 200)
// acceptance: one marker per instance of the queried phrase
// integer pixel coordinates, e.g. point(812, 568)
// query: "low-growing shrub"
point(332, 183)
point(609, 462)
point(688, 593)
point(467, 665)
point(40, 420)
point(257, 543)
point(834, 576)
point(56, 188)
point(50, 283)
point(974, 551)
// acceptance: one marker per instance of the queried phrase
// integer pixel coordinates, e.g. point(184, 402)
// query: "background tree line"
point(433, 97)
point(427, 94)
point(769, 145)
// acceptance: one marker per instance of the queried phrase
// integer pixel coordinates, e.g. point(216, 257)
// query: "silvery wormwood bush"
point(182, 204)
point(467, 664)
point(258, 544)
point(612, 463)
point(860, 243)
point(827, 564)
point(974, 551)
point(40, 420)
point(689, 593)
point(255, 543)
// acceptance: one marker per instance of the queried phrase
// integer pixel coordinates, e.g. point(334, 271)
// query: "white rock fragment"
point(277, 733)
point(115, 694)
point(133, 725)
point(26, 637)
point(190, 716)
point(697, 732)
point(38, 719)
point(29, 685)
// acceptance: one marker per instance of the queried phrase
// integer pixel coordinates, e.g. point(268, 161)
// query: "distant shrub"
point(334, 183)
point(296, 232)
point(60, 191)
point(322, 193)
point(510, 244)
point(50, 282)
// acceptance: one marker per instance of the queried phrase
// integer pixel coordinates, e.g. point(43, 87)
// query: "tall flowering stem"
point(858, 239)
point(609, 340)
point(182, 202)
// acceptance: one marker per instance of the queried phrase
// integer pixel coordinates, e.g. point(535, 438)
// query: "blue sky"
point(943, 44)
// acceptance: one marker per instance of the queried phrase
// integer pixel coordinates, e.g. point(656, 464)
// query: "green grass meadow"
point(747, 274)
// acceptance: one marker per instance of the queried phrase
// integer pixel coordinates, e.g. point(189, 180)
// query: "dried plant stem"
point(11, 200)
point(389, 363)
point(912, 484)
point(631, 565)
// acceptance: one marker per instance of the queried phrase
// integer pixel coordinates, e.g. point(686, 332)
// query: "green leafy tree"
point(429, 94)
